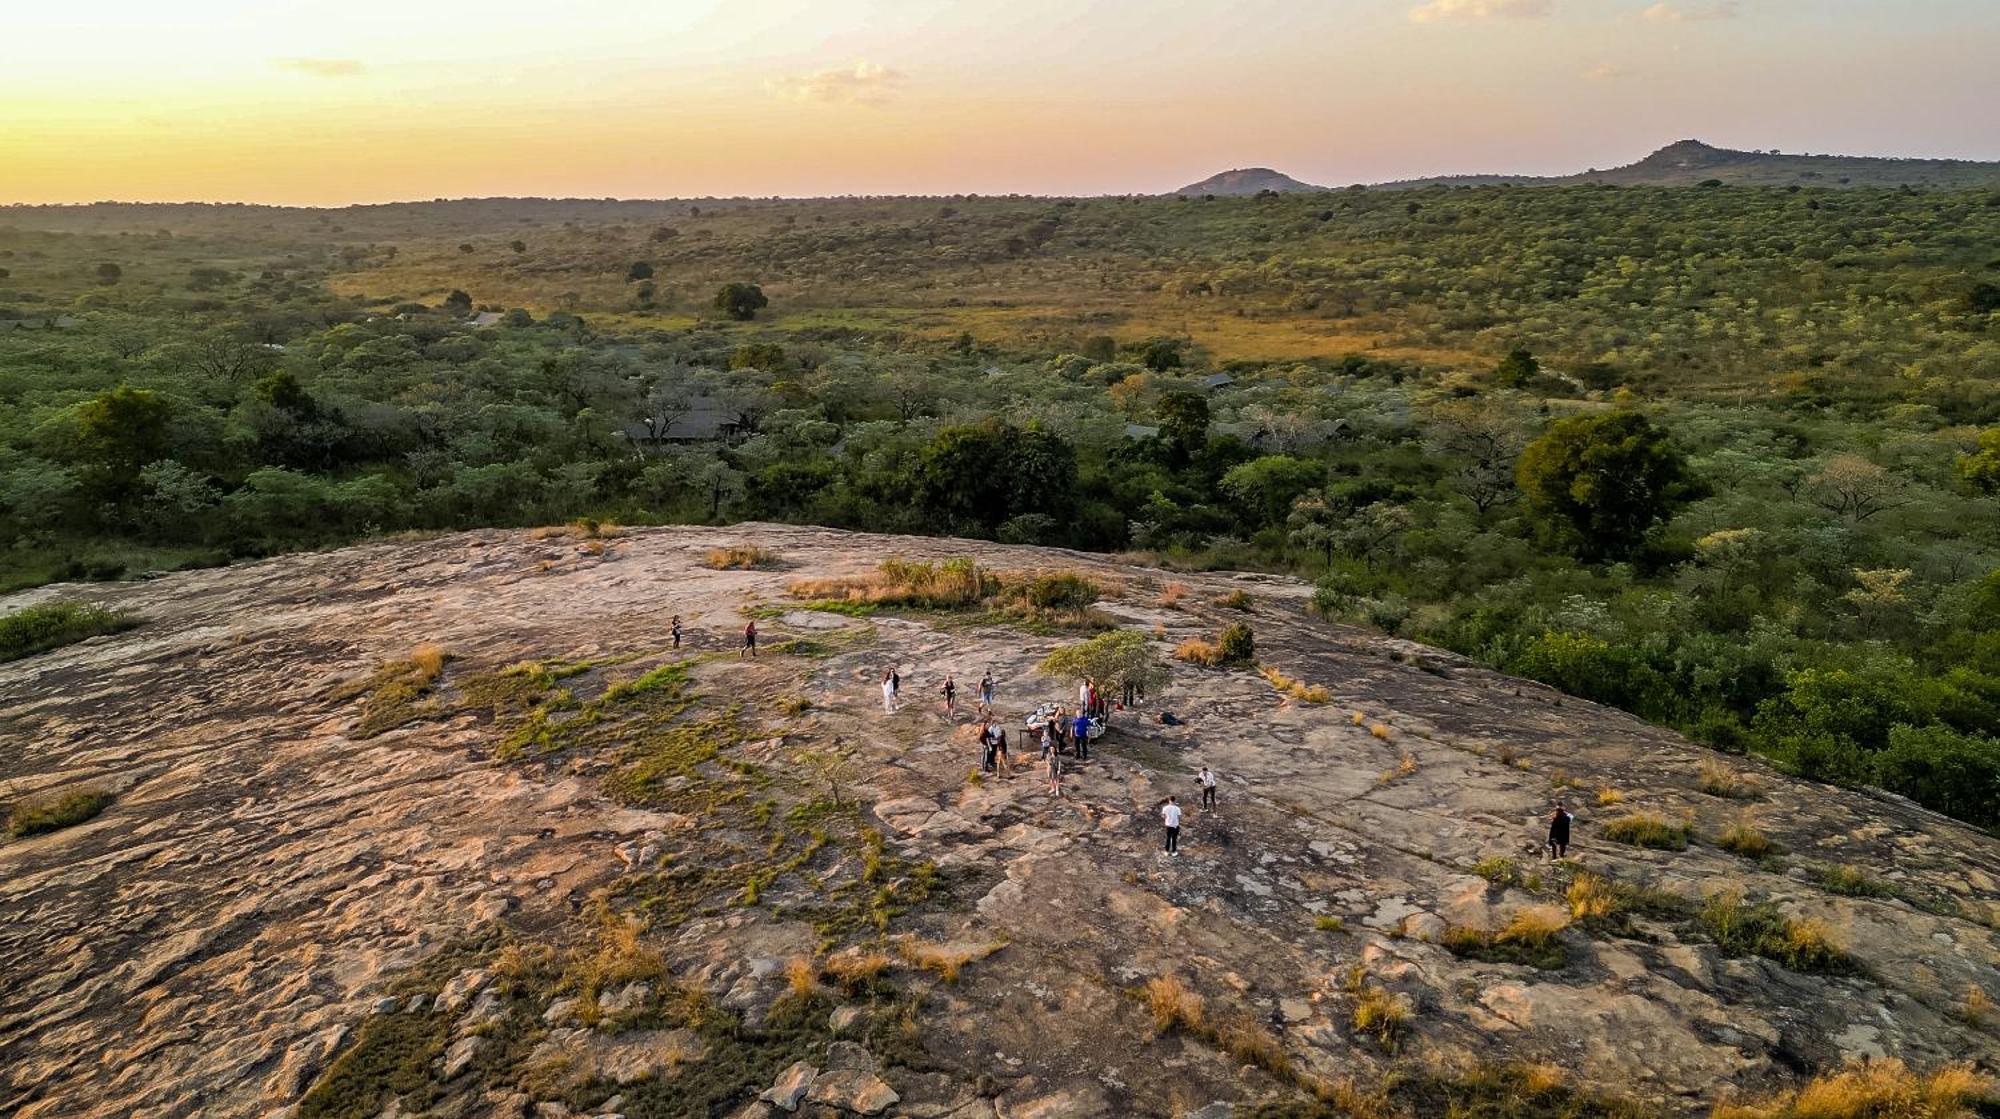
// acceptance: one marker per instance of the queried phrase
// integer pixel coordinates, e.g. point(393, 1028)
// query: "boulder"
point(855, 1090)
point(790, 1087)
point(461, 1054)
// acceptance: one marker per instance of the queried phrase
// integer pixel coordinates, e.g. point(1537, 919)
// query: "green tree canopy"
point(982, 475)
point(1602, 483)
point(740, 301)
point(1114, 659)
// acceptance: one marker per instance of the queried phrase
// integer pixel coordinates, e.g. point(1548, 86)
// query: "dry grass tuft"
point(1852, 881)
point(1172, 594)
point(1885, 1089)
point(1719, 780)
point(1358, 718)
point(854, 972)
point(1381, 731)
point(1195, 650)
point(1608, 797)
point(1297, 689)
point(801, 977)
point(740, 557)
point(1650, 830)
point(943, 960)
point(1235, 600)
point(1743, 838)
point(1173, 1005)
point(1380, 1014)
point(1976, 1008)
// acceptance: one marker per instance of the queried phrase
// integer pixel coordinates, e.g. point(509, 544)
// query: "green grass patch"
point(1853, 882)
point(1741, 928)
point(37, 816)
point(1649, 830)
point(51, 625)
point(1532, 937)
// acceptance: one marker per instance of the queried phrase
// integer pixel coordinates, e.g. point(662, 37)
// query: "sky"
point(283, 101)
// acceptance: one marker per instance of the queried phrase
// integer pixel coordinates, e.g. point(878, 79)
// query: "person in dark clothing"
point(987, 747)
point(749, 641)
point(1206, 779)
point(1170, 815)
point(1082, 737)
point(677, 631)
point(950, 691)
point(1559, 832)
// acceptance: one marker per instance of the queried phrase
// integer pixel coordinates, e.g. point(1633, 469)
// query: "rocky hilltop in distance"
point(450, 827)
point(1247, 181)
point(1680, 164)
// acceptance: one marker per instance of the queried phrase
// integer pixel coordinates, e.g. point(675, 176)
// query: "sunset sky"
point(318, 103)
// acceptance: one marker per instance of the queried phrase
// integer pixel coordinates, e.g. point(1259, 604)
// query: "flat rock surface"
point(208, 944)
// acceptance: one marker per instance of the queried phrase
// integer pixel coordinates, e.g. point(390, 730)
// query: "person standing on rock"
point(1055, 773)
point(1082, 737)
point(888, 695)
point(1559, 832)
point(1170, 815)
point(749, 641)
point(1003, 764)
point(950, 691)
point(677, 631)
point(1206, 779)
point(987, 747)
point(986, 694)
point(896, 685)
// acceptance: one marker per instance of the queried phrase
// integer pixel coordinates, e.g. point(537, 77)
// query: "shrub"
point(1608, 797)
point(1591, 667)
point(1172, 594)
point(1237, 644)
point(50, 625)
point(1296, 689)
point(36, 816)
point(1173, 1005)
point(1329, 924)
point(1235, 600)
point(1957, 774)
point(1651, 830)
point(1874, 1090)
point(740, 557)
point(1500, 871)
point(1197, 651)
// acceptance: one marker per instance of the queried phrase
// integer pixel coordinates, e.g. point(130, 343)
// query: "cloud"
point(1664, 12)
point(864, 83)
point(1441, 11)
point(321, 67)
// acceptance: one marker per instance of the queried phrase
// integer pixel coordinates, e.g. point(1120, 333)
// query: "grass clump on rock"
point(1234, 645)
point(1532, 937)
point(1649, 830)
point(399, 692)
point(1853, 882)
point(1741, 928)
point(37, 816)
point(51, 625)
point(1742, 838)
point(740, 557)
point(1876, 1090)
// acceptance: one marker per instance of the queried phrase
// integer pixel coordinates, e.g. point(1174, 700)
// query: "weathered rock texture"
point(210, 942)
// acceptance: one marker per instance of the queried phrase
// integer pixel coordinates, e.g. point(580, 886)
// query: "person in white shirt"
point(888, 694)
point(1206, 779)
point(1170, 815)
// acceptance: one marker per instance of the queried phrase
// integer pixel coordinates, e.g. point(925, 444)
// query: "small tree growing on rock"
point(1121, 659)
point(833, 766)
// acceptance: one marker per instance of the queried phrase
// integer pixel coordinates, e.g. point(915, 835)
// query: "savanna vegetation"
point(1725, 458)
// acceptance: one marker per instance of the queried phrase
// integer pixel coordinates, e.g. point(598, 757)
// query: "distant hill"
point(1248, 180)
point(1683, 163)
point(1692, 163)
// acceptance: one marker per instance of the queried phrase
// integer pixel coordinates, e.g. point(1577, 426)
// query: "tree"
point(640, 270)
point(1483, 444)
point(982, 475)
point(1118, 659)
point(109, 273)
point(1265, 488)
point(1600, 484)
point(1856, 488)
point(115, 434)
point(1983, 299)
point(1981, 469)
point(458, 302)
point(833, 765)
point(740, 302)
point(518, 246)
point(1517, 369)
point(1161, 354)
point(1183, 418)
